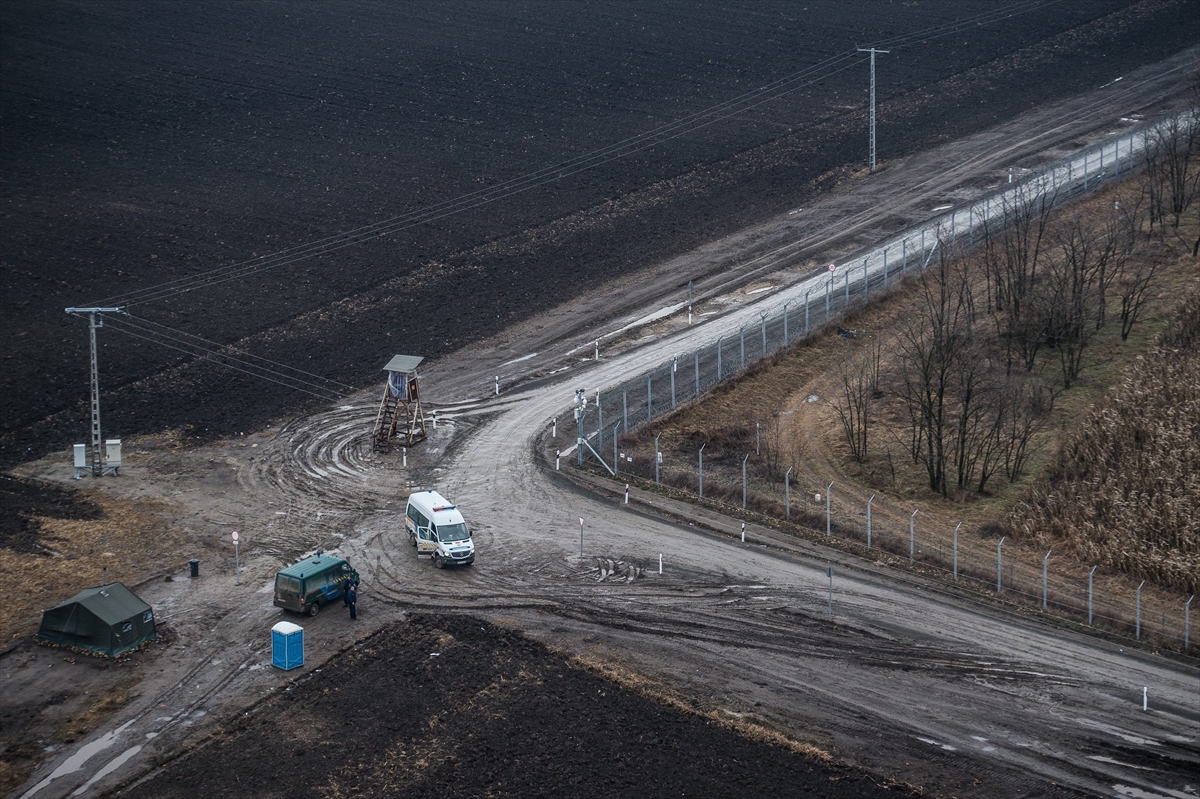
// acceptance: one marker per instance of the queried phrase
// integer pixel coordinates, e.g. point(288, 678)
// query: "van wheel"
point(314, 609)
point(412, 539)
point(438, 562)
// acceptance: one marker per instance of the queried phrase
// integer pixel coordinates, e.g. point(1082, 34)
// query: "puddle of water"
point(1133, 739)
point(112, 766)
point(1139, 793)
point(1103, 759)
point(938, 744)
point(76, 761)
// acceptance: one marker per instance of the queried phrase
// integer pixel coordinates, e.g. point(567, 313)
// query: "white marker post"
point(557, 456)
point(404, 457)
point(660, 563)
point(743, 532)
point(627, 493)
point(497, 385)
point(236, 560)
point(1145, 697)
point(597, 343)
point(435, 420)
point(554, 427)
point(581, 537)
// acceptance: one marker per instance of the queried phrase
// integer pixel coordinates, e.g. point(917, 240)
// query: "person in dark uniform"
point(352, 600)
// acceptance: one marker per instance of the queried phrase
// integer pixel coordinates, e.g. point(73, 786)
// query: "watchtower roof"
point(403, 363)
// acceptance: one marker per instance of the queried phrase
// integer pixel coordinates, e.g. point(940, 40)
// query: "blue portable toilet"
point(287, 645)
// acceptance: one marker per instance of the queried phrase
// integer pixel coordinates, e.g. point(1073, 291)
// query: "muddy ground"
point(456, 707)
point(297, 481)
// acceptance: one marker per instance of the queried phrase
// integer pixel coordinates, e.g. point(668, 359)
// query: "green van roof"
point(312, 565)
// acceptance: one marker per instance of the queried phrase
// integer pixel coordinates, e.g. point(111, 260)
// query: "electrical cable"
point(667, 132)
point(215, 347)
point(215, 357)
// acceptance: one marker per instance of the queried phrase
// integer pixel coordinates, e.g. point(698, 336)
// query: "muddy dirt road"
point(903, 681)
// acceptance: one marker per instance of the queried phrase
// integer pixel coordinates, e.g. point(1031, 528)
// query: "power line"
point(223, 347)
point(228, 361)
point(629, 146)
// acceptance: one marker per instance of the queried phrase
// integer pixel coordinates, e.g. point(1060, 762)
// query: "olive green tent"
point(110, 620)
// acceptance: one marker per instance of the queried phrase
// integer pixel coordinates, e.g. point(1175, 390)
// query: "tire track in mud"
point(321, 469)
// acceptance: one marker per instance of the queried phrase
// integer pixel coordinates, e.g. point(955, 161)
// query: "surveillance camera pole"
point(872, 51)
point(95, 320)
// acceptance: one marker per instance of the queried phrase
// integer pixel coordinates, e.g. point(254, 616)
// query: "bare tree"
point(1133, 295)
point(930, 348)
point(853, 401)
point(1172, 174)
point(1073, 282)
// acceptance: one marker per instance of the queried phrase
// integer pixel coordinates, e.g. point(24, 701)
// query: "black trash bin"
point(195, 564)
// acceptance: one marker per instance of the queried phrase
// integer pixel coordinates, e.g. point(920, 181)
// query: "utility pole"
point(95, 320)
point(872, 51)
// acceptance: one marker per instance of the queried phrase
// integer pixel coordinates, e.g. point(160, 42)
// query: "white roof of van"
point(432, 502)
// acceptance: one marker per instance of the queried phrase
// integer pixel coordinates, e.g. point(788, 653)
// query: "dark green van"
point(311, 583)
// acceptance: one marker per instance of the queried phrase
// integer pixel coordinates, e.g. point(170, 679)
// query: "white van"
point(438, 530)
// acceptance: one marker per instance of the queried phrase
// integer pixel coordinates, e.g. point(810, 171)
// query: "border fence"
point(818, 301)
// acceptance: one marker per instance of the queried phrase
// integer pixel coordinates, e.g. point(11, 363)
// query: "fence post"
point(885, 249)
point(912, 538)
point(718, 360)
point(616, 427)
point(649, 399)
point(846, 301)
point(742, 342)
point(828, 526)
point(1139, 611)
point(579, 400)
point(744, 480)
point(866, 283)
point(656, 458)
point(1187, 612)
point(1085, 170)
point(1045, 562)
point(1117, 158)
point(1091, 574)
point(903, 255)
point(758, 438)
point(599, 422)
point(787, 500)
point(697, 373)
point(702, 446)
point(806, 311)
point(625, 408)
point(828, 283)
point(674, 366)
point(869, 501)
point(785, 330)
point(956, 549)
point(999, 564)
point(764, 334)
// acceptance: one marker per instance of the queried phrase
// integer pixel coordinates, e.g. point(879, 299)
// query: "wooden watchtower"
point(400, 418)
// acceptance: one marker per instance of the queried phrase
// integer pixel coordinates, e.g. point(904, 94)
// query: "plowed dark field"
point(454, 707)
point(140, 146)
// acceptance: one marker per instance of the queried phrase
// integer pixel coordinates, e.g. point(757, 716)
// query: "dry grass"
point(1126, 485)
point(130, 540)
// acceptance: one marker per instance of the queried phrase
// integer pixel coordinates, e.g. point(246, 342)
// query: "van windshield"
point(452, 532)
